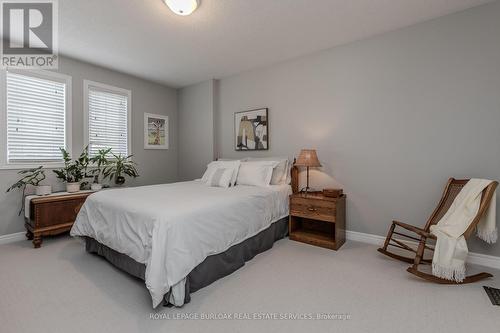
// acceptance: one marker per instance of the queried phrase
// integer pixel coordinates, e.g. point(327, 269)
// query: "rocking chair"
point(453, 187)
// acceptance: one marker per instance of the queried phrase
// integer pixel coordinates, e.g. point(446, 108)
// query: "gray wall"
point(155, 166)
point(196, 129)
point(392, 117)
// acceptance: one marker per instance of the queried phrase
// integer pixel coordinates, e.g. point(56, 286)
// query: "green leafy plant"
point(119, 166)
point(99, 161)
point(30, 177)
point(74, 170)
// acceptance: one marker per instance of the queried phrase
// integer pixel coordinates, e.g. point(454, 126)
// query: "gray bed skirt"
point(211, 269)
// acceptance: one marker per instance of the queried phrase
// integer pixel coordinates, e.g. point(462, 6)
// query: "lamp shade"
point(308, 157)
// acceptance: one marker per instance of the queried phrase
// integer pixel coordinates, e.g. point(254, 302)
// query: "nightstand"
point(53, 214)
point(317, 220)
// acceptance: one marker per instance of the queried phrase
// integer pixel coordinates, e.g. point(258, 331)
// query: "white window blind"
point(36, 118)
point(107, 121)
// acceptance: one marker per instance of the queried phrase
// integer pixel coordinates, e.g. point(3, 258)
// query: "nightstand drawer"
point(314, 209)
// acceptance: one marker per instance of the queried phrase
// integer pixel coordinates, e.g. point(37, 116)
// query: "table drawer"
point(54, 213)
point(313, 209)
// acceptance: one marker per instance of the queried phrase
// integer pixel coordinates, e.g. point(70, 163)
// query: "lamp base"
point(307, 186)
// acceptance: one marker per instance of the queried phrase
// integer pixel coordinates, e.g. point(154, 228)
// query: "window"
point(36, 117)
point(107, 116)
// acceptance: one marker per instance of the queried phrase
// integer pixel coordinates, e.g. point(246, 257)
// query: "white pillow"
point(220, 178)
point(212, 166)
point(279, 171)
point(256, 173)
point(288, 176)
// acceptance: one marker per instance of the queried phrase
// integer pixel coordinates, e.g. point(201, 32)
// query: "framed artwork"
point(155, 131)
point(251, 130)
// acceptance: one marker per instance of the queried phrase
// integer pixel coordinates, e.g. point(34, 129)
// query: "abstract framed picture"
point(251, 130)
point(155, 131)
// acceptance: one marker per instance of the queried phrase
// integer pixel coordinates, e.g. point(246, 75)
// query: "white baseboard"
point(473, 258)
point(364, 238)
point(10, 238)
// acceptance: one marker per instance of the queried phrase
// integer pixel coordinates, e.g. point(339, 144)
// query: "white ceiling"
point(224, 37)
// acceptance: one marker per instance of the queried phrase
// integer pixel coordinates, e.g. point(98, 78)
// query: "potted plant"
point(99, 161)
point(83, 162)
point(31, 177)
point(119, 166)
point(73, 171)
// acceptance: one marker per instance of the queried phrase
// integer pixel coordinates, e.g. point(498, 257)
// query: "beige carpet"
point(61, 288)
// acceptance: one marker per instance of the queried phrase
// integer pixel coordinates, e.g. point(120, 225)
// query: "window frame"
point(68, 130)
point(87, 85)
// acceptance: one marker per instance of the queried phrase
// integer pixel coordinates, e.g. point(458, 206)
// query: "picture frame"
point(156, 131)
point(251, 130)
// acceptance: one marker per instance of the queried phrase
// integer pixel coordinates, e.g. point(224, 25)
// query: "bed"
point(183, 236)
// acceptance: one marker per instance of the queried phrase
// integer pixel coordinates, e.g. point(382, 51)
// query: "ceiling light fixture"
point(182, 7)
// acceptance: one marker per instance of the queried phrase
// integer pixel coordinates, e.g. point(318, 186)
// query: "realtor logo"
point(29, 34)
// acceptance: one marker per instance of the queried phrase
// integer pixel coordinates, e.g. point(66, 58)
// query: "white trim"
point(21, 166)
point(42, 74)
point(11, 238)
point(111, 89)
point(68, 131)
point(472, 258)
point(364, 238)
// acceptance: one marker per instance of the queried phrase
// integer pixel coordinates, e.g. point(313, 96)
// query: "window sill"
point(31, 166)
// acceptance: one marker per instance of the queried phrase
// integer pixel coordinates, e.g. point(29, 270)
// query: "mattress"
point(172, 228)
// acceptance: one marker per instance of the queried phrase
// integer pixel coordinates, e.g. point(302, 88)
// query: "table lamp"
point(308, 158)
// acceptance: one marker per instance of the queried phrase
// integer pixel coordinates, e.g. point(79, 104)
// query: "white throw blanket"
point(451, 249)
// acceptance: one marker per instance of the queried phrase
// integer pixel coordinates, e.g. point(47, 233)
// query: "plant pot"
point(43, 189)
point(120, 180)
point(96, 187)
point(72, 187)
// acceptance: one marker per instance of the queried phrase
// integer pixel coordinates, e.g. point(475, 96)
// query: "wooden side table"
point(317, 220)
point(52, 215)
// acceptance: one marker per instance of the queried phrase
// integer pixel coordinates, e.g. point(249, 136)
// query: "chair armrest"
point(414, 229)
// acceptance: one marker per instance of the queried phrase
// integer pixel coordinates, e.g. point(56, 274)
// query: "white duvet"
point(171, 228)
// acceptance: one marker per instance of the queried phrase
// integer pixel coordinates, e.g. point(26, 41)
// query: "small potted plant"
point(31, 177)
point(73, 171)
point(120, 166)
point(99, 161)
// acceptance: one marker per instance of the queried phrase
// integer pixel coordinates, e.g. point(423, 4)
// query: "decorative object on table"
point(308, 158)
point(43, 189)
point(119, 166)
point(251, 130)
point(155, 131)
point(31, 177)
point(96, 187)
point(99, 162)
point(423, 235)
point(332, 192)
point(317, 220)
point(73, 171)
point(52, 214)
